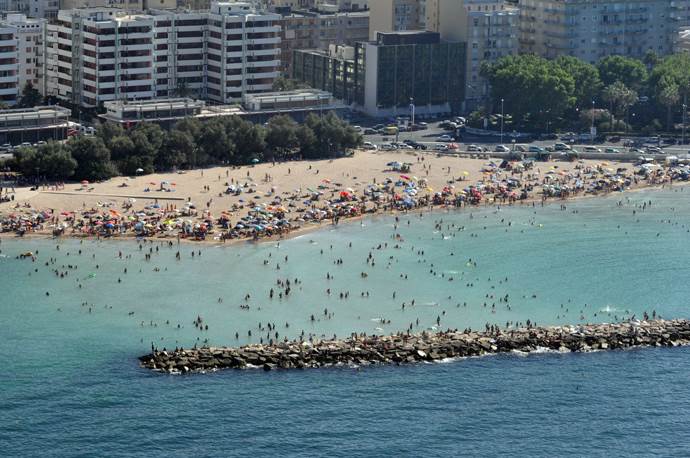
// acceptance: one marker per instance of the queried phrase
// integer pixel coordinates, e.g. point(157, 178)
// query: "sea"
point(74, 321)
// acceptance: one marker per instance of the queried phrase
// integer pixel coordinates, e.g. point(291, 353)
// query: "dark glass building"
point(383, 78)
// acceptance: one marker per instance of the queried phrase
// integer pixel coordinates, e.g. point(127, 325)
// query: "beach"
point(280, 199)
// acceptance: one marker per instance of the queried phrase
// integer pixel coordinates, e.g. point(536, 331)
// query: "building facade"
point(39, 9)
point(489, 27)
point(306, 30)
point(30, 35)
point(9, 65)
point(395, 15)
point(592, 29)
point(384, 77)
point(103, 54)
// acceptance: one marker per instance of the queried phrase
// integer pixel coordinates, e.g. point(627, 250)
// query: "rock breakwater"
point(424, 347)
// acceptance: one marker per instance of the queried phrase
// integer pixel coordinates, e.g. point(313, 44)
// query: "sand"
point(354, 173)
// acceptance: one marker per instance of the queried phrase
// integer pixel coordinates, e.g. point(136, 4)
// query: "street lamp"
point(502, 121)
point(591, 129)
point(685, 109)
point(412, 107)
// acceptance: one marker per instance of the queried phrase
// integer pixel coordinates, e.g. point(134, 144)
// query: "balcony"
point(263, 63)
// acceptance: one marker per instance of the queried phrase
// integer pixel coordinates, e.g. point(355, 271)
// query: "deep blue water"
point(70, 384)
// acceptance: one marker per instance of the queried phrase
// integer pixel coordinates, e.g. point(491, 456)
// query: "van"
point(390, 130)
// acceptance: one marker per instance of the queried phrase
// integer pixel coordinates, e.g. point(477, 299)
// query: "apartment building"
point(309, 30)
point(9, 65)
point(318, 5)
point(132, 5)
point(489, 27)
point(592, 29)
point(383, 77)
point(395, 15)
point(30, 35)
point(101, 54)
point(21, 57)
point(39, 9)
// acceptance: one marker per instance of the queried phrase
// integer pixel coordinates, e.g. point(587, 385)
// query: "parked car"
point(654, 150)
point(445, 138)
point(501, 149)
point(535, 149)
point(591, 149)
point(561, 147)
point(370, 132)
point(369, 146)
point(611, 151)
point(474, 148)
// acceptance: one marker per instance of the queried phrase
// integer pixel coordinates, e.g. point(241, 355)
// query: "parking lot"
point(429, 138)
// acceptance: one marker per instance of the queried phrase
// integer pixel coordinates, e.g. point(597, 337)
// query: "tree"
point(30, 96)
point(668, 95)
point(586, 76)
point(286, 84)
point(281, 135)
point(626, 70)
point(306, 139)
point(531, 87)
point(651, 59)
point(93, 158)
point(58, 162)
point(248, 139)
point(52, 161)
point(619, 97)
point(214, 141)
point(177, 150)
point(669, 83)
point(108, 130)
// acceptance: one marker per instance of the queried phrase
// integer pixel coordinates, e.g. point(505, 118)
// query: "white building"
point(491, 30)
point(30, 38)
point(39, 9)
point(9, 65)
point(592, 29)
point(100, 54)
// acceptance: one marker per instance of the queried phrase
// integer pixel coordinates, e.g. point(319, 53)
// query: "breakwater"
point(424, 347)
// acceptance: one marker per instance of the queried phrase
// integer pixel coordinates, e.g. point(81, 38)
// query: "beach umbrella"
point(255, 161)
point(465, 172)
point(140, 170)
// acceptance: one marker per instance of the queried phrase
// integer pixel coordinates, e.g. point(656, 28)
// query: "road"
point(434, 131)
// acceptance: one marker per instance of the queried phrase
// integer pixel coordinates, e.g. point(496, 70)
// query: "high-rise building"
point(489, 27)
point(309, 30)
point(21, 44)
point(592, 29)
point(30, 35)
point(100, 54)
point(132, 5)
point(40, 9)
point(387, 76)
point(9, 65)
point(393, 16)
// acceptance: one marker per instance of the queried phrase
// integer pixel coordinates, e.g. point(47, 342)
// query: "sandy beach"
point(291, 189)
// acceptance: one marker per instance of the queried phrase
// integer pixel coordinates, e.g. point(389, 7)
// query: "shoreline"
point(315, 226)
point(400, 349)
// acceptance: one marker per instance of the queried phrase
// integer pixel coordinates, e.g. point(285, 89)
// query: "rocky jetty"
point(425, 347)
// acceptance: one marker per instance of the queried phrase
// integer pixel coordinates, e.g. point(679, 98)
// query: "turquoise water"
point(72, 387)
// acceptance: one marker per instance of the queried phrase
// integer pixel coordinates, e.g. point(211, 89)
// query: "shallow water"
point(71, 384)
